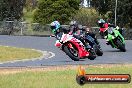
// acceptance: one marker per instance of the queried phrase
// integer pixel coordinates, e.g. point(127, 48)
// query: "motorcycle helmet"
point(55, 25)
point(101, 22)
point(74, 25)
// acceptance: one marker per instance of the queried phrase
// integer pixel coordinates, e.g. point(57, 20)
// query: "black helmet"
point(73, 23)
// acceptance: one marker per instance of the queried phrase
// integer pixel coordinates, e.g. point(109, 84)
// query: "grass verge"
point(59, 77)
point(13, 53)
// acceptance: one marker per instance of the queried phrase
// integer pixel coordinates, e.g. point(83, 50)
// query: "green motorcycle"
point(115, 39)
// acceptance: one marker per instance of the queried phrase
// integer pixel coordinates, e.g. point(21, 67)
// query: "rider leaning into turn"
point(79, 32)
point(104, 26)
point(93, 35)
point(76, 30)
point(57, 30)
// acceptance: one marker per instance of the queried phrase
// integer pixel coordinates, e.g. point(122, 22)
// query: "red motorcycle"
point(74, 48)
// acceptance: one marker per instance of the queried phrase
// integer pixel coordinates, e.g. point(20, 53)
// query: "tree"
point(50, 10)
point(101, 6)
point(11, 9)
point(87, 16)
point(30, 4)
point(124, 13)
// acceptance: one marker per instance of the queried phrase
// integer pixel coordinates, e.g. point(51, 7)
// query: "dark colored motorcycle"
point(93, 43)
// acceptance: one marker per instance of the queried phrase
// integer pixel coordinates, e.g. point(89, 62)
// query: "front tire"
point(72, 56)
point(121, 46)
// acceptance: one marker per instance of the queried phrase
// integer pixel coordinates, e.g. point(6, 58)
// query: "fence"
point(36, 29)
point(127, 33)
point(23, 28)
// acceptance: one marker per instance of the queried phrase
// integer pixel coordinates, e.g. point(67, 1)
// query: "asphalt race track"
point(110, 56)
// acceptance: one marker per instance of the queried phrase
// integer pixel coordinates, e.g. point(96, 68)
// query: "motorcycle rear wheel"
point(99, 51)
point(92, 54)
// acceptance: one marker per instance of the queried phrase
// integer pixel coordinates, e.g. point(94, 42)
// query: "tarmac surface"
point(110, 56)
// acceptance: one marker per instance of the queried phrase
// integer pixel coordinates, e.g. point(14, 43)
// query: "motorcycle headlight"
point(110, 30)
point(105, 37)
point(113, 37)
point(117, 27)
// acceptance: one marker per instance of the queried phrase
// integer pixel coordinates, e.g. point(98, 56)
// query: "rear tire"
point(99, 51)
point(92, 54)
point(73, 57)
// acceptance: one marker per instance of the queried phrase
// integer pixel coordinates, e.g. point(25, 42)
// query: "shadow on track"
point(72, 60)
point(113, 51)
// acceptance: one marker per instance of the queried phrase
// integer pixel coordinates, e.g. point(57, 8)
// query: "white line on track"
point(44, 56)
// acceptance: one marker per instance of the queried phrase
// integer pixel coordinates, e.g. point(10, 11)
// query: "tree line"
point(107, 9)
point(11, 9)
point(66, 10)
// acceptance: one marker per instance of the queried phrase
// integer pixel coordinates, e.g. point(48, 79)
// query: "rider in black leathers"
point(90, 33)
point(81, 33)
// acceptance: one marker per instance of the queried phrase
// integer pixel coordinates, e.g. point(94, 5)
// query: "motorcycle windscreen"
point(59, 35)
point(110, 30)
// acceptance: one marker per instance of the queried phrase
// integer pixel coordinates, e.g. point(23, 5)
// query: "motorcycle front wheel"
point(121, 46)
point(72, 53)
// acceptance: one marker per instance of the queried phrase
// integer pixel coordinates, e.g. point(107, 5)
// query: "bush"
point(87, 16)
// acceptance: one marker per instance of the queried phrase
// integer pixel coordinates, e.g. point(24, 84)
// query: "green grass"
point(13, 53)
point(61, 79)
